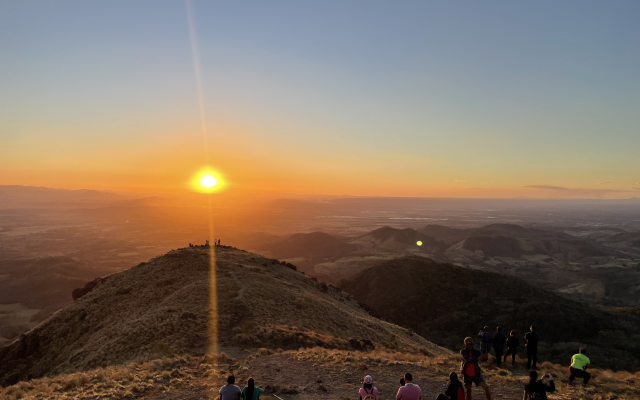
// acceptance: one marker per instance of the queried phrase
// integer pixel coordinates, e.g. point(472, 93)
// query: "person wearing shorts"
point(471, 370)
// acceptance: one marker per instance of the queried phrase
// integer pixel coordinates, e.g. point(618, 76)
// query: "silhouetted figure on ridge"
point(206, 244)
point(532, 347)
point(512, 348)
point(486, 340)
point(498, 345)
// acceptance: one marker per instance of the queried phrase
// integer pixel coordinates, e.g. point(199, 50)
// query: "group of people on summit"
point(216, 242)
point(535, 389)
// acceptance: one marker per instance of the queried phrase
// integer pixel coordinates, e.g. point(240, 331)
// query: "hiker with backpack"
point(454, 389)
point(512, 348)
point(470, 368)
point(498, 345)
point(536, 389)
point(367, 391)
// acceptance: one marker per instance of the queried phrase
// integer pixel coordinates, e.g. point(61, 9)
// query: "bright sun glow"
point(208, 181)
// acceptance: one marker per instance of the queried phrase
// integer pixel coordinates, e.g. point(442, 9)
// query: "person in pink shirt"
point(409, 391)
point(367, 391)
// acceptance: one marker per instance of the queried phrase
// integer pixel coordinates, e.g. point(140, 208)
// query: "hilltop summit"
point(165, 306)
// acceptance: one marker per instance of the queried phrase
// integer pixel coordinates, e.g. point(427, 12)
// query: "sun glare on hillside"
point(207, 181)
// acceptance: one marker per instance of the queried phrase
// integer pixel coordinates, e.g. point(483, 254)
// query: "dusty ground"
point(313, 373)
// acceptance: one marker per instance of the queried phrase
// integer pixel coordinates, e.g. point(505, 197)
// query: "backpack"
point(369, 396)
point(533, 395)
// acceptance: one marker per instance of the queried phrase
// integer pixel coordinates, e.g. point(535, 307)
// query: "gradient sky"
point(412, 98)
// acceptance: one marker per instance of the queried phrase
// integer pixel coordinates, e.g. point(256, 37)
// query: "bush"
point(165, 349)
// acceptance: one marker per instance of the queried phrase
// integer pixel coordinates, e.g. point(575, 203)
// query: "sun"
point(208, 181)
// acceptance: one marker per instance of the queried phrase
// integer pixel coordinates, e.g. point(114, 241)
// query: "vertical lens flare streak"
point(207, 182)
point(196, 69)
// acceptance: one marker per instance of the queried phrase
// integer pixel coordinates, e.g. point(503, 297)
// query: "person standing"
point(470, 368)
point(368, 391)
point(579, 364)
point(536, 389)
point(230, 391)
point(251, 391)
point(498, 345)
point(512, 348)
point(409, 391)
point(532, 347)
point(486, 340)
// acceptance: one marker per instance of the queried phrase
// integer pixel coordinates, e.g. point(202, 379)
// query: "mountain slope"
point(445, 303)
point(164, 306)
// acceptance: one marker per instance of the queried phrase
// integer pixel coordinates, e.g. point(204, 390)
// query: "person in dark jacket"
point(498, 345)
point(455, 389)
point(532, 347)
point(486, 340)
point(538, 387)
point(470, 368)
point(512, 348)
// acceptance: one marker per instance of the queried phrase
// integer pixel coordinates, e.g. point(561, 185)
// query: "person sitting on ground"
point(486, 340)
point(536, 389)
point(498, 345)
point(409, 391)
point(206, 243)
point(579, 364)
point(454, 391)
point(251, 391)
point(512, 348)
point(230, 391)
point(367, 391)
point(470, 368)
point(532, 347)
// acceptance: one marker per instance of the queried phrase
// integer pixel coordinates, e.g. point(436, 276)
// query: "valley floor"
point(313, 373)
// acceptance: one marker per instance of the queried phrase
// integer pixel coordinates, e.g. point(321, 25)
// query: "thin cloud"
point(604, 183)
point(575, 192)
point(635, 188)
point(460, 180)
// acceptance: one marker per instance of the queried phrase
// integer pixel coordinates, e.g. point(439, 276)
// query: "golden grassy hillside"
point(309, 373)
point(162, 308)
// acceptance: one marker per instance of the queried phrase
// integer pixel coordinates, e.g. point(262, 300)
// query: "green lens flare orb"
point(419, 243)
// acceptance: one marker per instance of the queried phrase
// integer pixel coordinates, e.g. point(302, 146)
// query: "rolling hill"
point(174, 305)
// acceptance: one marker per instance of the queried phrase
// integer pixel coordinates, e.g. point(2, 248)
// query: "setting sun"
point(208, 181)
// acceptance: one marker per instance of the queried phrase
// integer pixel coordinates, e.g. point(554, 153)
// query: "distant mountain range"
point(598, 265)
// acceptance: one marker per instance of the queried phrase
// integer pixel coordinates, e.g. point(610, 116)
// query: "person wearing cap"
point(367, 391)
point(470, 368)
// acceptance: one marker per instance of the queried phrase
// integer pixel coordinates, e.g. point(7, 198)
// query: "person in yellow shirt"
point(579, 364)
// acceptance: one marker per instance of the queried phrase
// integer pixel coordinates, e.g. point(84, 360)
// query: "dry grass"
point(207, 373)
